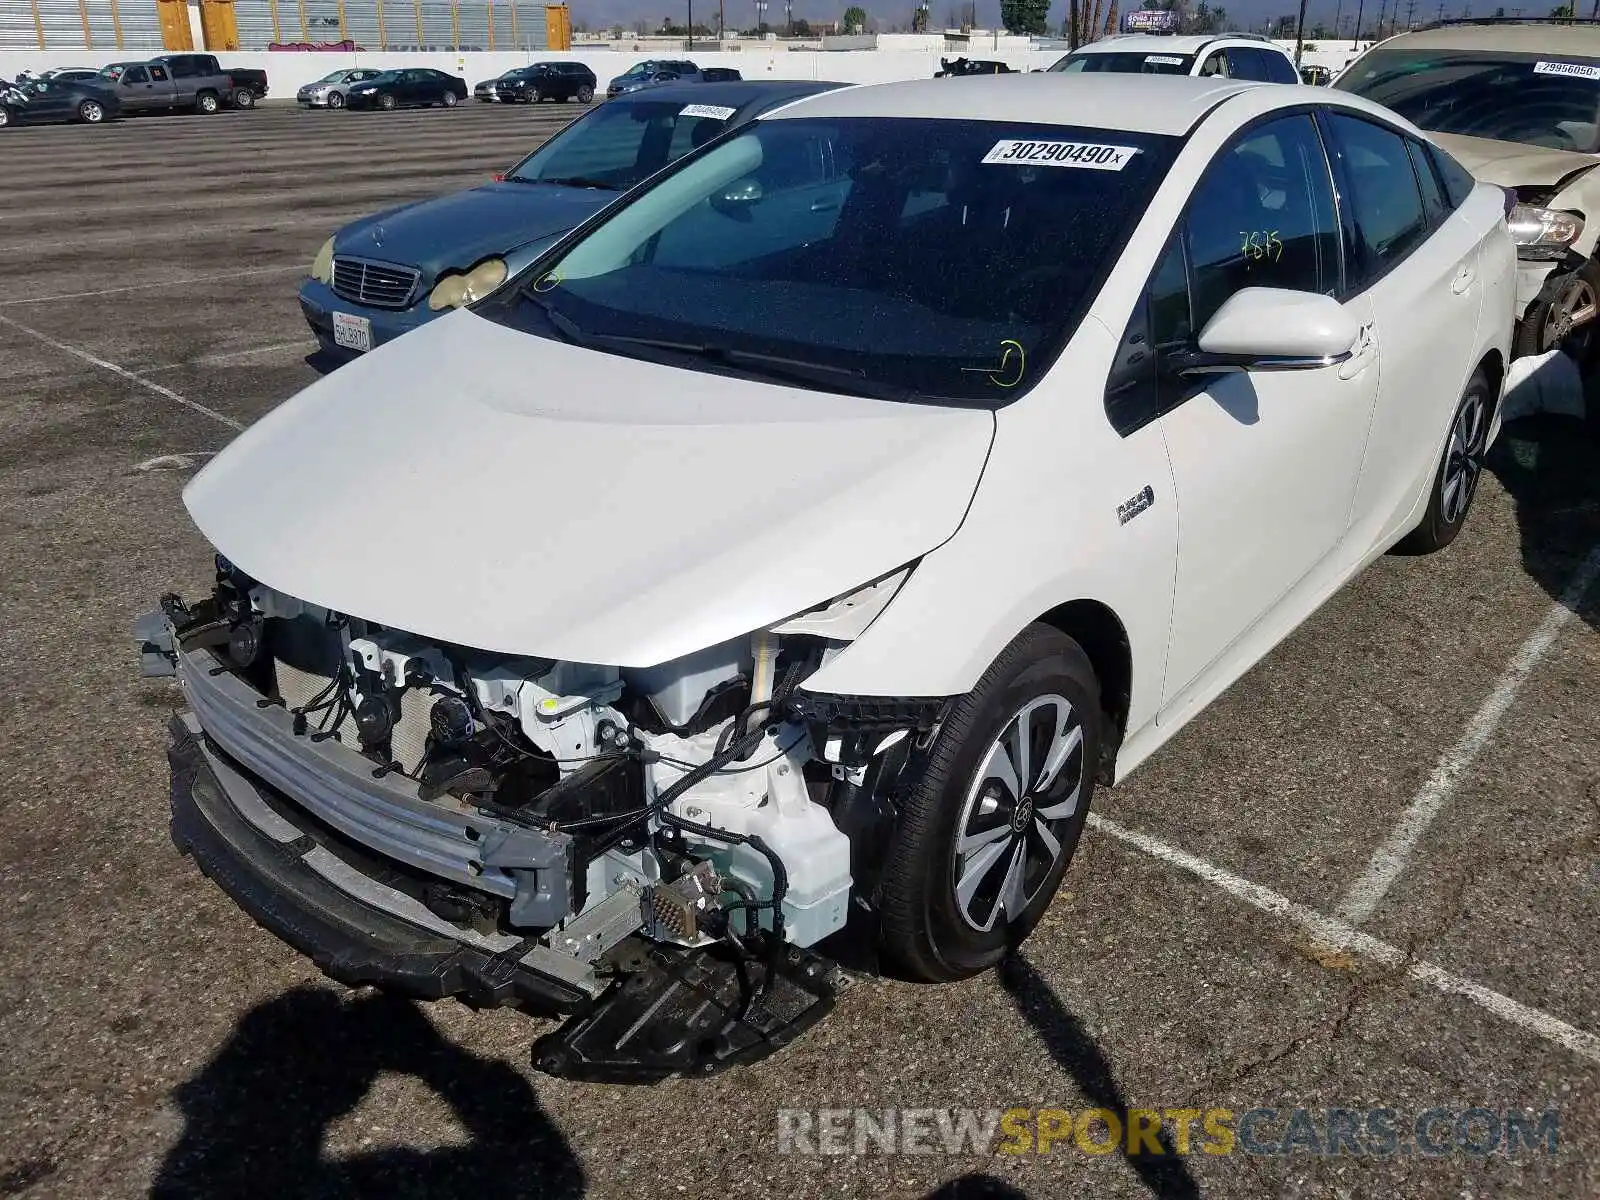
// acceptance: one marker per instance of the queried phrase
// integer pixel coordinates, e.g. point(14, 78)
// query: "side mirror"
point(738, 197)
point(1271, 329)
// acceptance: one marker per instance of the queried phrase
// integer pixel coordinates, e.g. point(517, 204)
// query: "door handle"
point(1360, 354)
point(1464, 278)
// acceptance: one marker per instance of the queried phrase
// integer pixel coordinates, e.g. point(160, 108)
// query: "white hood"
point(477, 485)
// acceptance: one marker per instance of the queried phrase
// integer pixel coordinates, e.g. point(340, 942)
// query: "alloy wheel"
point(1573, 310)
point(1007, 840)
point(91, 112)
point(335, 100)
point(1464, 459)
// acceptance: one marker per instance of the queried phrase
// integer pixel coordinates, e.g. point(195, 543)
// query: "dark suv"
point(546, 81)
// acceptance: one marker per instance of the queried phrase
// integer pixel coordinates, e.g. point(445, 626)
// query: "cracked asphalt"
point(154, 1041)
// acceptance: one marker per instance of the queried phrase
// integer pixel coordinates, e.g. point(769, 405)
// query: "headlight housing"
point(1542, 233)
point(458, 288)
point(322, 264)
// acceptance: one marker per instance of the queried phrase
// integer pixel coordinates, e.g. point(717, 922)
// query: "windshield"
point(619, 144)
point(1127, 64)
point(335, 77)
point(1549, 100)
point(910, 259)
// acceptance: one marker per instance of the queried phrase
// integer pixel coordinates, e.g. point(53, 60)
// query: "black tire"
point(244, 98)
point(5, 118)
point(335, 100)
point(91, 112)
point(387, 102)
point(1460, 467)
point(451, 99)
point(927, 931)
point(1548, 324)
point(585, 94)
point(207, 103)
point(535, 96)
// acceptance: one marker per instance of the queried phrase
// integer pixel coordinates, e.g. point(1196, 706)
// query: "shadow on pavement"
point(257, 1113)
point(977, 1187)
point(1551, 467)
point(1076, 1053)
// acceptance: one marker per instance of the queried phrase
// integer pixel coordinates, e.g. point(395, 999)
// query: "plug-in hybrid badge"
point(1136, 504)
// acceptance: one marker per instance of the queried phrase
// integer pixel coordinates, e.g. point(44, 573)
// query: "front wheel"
point(206, 103)
point(1456, 481)
point(335, 100)
point(986, 833)
point(450, 99)
point(1563, 317)
point(91, 112)
point(387, 103)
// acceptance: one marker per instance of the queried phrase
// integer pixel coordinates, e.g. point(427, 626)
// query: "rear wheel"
point(986, 834)
point(91, 112)
point(450, 99)
point(1456, 481)
point(207, 103)
point(585, 94)
point(244, 98)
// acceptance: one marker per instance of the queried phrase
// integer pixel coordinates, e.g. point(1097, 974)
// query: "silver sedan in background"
point(331, 90)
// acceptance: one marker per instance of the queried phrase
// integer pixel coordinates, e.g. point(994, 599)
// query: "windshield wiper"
point(583, 181)
point(773, 367)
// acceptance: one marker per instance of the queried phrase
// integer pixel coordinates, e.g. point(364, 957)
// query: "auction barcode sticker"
point(1086, 155)
point(715, 111)
point(1166, 59)
point(1576, 70)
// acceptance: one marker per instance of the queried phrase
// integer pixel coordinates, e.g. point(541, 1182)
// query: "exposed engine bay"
point(660, 845)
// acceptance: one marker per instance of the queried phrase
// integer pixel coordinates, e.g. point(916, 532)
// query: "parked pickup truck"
point(183, 81)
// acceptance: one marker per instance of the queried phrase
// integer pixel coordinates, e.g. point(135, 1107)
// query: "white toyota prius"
point(800, 541)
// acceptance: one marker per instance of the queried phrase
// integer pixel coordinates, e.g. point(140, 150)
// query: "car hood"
point(477, 485)
point(458, 230)
point(1512, 164)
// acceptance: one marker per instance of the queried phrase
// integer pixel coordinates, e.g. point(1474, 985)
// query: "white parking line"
point(1331, 933)
point(147, 384)
point(208, 360)
point(283, 269)
point(1391, 858)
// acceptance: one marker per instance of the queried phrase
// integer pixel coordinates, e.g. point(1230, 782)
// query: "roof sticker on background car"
point(1578, 70)
point(1168, 59)
point(1086, 155)
point(715, 111)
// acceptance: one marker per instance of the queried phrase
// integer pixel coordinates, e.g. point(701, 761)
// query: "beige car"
point(1517, 102)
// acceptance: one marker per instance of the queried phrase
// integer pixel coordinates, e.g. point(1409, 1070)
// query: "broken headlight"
point(1542, 234)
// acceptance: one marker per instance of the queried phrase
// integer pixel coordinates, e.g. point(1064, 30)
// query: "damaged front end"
point(654, 851)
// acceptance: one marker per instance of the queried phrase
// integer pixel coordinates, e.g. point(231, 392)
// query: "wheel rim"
point(1573, 310)
point(208, 103)
point(1008, 838)
point(386, 102)
point(336, 101)
point(449, 99)
point(91, 112)
point(585, 95)
point(1463, 464)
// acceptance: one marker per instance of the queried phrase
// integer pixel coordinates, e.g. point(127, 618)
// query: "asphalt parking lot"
point(1368, 878)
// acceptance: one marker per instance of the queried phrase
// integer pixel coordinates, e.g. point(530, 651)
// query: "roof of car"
point(1512, 36)
point(732, 93)
point(1169, 104)
point(1155, 43)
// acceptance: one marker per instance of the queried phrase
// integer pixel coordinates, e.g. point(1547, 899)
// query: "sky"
point(600, 14)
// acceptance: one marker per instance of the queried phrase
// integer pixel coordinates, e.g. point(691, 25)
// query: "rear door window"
point(1385, 199)
point(1245, 62)
point(1458, 181)
point(1435, 204)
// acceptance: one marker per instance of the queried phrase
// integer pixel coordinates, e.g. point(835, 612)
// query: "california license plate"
point(353, 333)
